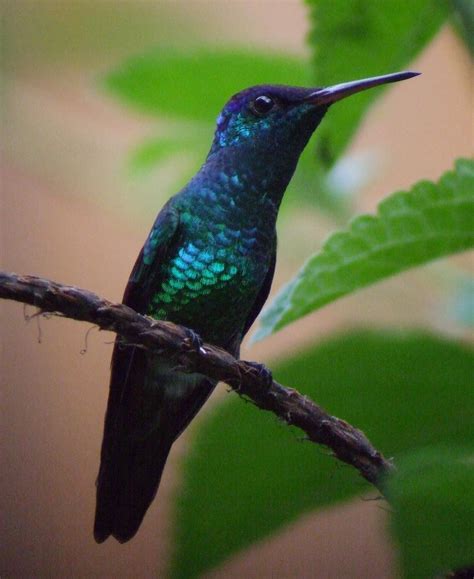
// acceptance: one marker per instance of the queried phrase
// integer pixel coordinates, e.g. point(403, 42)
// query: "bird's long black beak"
point(331, 94)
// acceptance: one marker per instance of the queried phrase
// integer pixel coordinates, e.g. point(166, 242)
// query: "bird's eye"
point(262, 105)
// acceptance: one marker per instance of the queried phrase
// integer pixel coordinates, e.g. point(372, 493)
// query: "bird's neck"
point(260, 167)
point(249, 176)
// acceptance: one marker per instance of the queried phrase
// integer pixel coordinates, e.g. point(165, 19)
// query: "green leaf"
point(354, 39)
point(247, 475)
point(152, 152)
point(463, 18)
point(195, 84)
point(156, 150)
point(433, 520)
point(411, 228)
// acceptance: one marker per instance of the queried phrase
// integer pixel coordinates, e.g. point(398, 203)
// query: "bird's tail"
point(125, 488)
point(149, 406)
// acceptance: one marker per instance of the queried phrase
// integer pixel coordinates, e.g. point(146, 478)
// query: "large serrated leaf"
point(411, 228)
point(354, 39)
point(247, 475)
point(432, 493)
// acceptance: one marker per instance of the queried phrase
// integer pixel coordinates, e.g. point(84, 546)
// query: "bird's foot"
point(193, 340)
point(263, 373)
point(191, 346)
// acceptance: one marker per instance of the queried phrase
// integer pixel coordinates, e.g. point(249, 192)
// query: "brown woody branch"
point(347, 443)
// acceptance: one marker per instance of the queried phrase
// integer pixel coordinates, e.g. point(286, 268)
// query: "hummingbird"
point(208, 265)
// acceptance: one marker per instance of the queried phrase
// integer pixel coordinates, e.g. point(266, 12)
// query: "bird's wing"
point(126, 406)
point(146, 271)
point(262, 294)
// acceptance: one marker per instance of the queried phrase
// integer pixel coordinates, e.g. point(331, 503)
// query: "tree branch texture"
point(171, 341)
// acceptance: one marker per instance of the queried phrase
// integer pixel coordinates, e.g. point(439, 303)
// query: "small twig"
point(83, 350)
point(347, 443)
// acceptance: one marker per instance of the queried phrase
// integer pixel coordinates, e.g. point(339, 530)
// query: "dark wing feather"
point(147, 271)
point(262, 295)
point(233, 347)
point(119, 456)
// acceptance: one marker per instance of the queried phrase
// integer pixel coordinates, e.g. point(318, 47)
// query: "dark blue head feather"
point(291, 115)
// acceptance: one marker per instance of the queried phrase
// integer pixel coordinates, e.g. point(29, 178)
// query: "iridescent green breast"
point(193, 273)
point(211, 280)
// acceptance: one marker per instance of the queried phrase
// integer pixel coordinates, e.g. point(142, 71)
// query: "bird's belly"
point(210, 290)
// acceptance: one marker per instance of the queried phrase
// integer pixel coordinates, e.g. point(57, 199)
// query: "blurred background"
point(83, 174)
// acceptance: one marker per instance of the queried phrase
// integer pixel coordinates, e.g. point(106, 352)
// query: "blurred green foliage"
point(463, 18)
point(432, 493)
point(158, 149)
point(247, 474)
point(410, 228)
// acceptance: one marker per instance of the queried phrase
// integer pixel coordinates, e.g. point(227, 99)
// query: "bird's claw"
point(193, 340)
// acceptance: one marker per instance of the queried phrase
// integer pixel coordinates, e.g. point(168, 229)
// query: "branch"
point(171, 341)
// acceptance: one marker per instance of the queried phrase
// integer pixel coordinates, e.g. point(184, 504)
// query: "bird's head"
point(276, 119)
